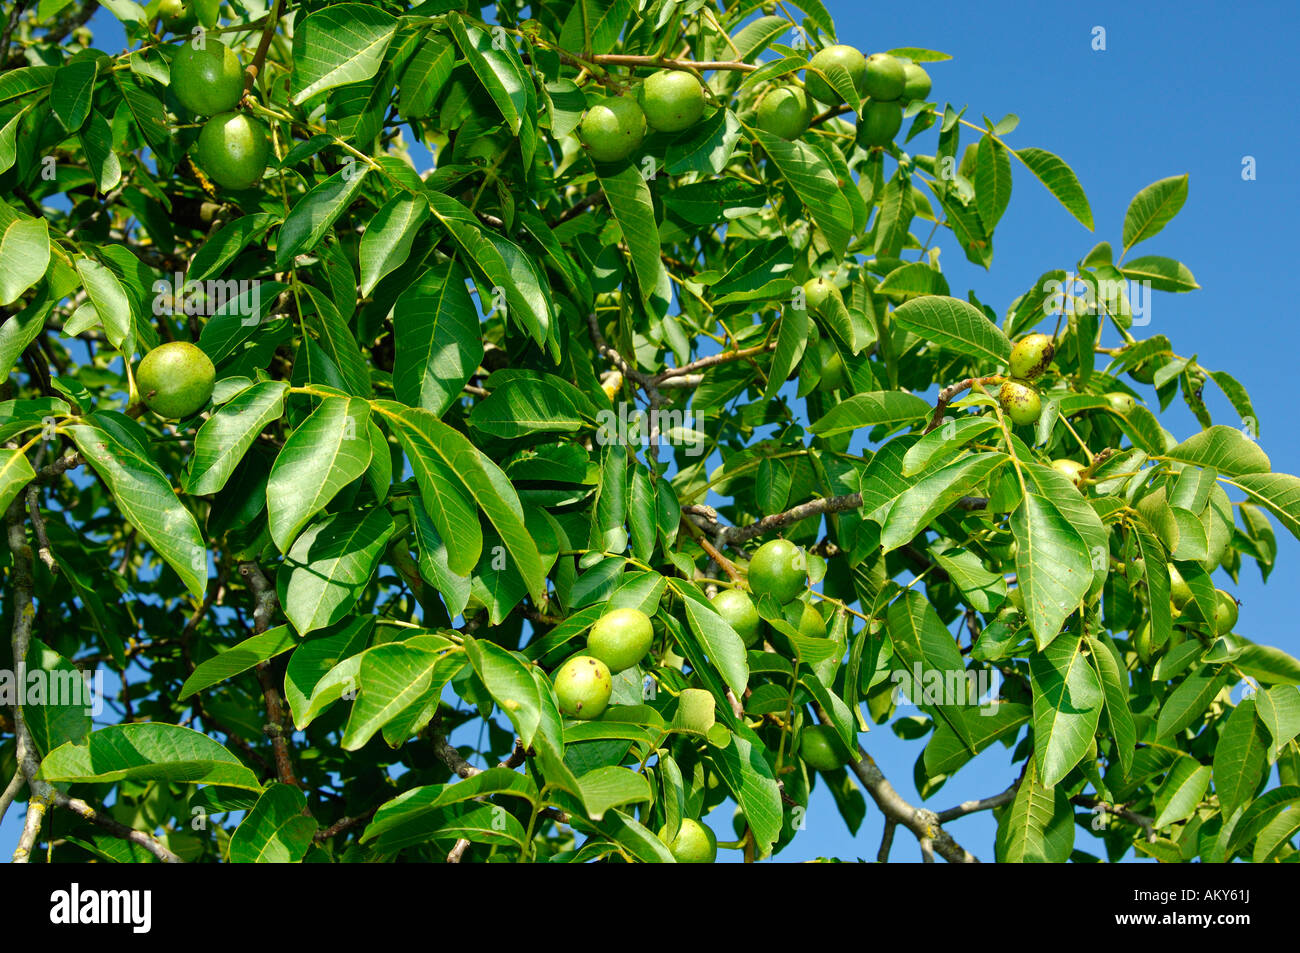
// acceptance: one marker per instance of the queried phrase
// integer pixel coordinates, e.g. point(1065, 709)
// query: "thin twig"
point(117, 829)
point(276, 727)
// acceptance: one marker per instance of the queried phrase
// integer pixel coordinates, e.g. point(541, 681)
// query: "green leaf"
point(1189, 700)
point(523, 406)
point(725, 649)
point(438, 454)
point(1060, 180)
point(631, 205)
point(501, 263)
point(867, 410)
point(227, 242)
point(707, 147)
point(1279, 711)
point(278, 830)
point(1115, 687)
point(226, 436)
point(15, 473)
point(508, 681)
point(1277, 834)
point(1039, 826)
point(935, 494)
point(329, 565)
point(1222, 448)
point(923, 644)
point(425, 75)
point(239, 659)
point(1053, 562)
point(308, 687)
point(954, 325)
point(110, 301)
point(24, 256)
point(238, 319)
point(72, 92)
point(328, 451)
point(147, 751)
point(791, 340)
point(1276, 492)
point(117, 448)
point(1181, 792)
point(751, 781)
point(63, 713)
point(504, 76)
point(316, 212)
point(612, 786)
point(1267, 664)
point(1152, 209)
point(387, 240)
point(815, 183)
point(399, 678)
point(20, 330)
point(1165, 274)
point(992, 181)
point(343, 43)
point(1239, 757)
point(1067, 707)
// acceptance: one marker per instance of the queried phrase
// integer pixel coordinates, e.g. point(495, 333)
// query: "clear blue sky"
point(1181, 87)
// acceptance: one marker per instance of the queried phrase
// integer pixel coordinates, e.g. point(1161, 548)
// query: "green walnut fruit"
point(738, 609)
point(1020, 402)
point(811, 625)
point(834, 374)
point(612, 129)
point(1069, 469)
point(817, 292)
point(175, 380)
point(672, 100)
point(621, 638)
point(879, 123)
point(1031, 356)
point(784, 111)
point(1180, 593)
point(1144, 373)
point(886, 79)
point(207, 81)
point(779, 569)
point(177, 16)
point(233, 149)
point(1016, 599)
point(916, 83)
point(1225, 612)
point(583, 687)
point(821, 749)
point(1122, 404)
point(846, 58)
point(695, 843)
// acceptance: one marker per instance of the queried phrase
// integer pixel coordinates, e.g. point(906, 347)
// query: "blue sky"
point(1180, 87)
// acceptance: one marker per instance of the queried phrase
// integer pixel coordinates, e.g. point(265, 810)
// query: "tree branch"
point(952, 390)
point(264, 603)
point(117, 829)
point(923, 823)
point(983, 804)
point(1118, 810)
point(886, 841)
